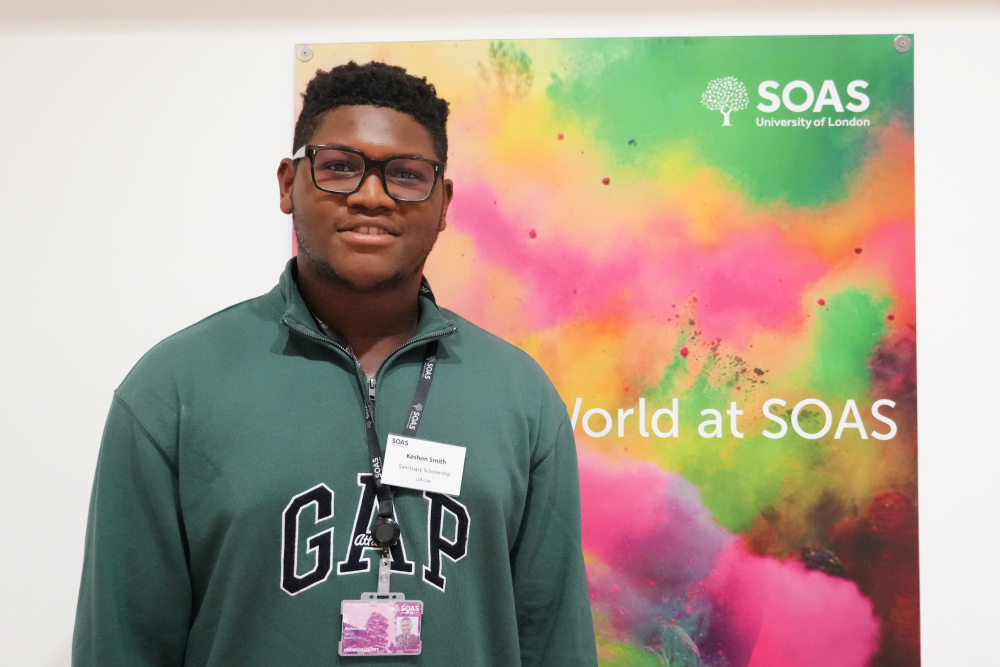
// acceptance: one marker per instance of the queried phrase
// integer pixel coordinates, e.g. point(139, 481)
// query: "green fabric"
point(220, 426)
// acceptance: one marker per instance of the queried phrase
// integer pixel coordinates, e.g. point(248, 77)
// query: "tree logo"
point(725, 95)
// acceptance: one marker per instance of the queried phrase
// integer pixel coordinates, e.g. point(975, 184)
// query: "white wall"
point(101, 257)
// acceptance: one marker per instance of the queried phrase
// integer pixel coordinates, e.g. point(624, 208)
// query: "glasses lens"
point(338, 171)
point(409, 180)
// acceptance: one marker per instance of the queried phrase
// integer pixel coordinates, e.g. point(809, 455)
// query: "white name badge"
point(422, 464)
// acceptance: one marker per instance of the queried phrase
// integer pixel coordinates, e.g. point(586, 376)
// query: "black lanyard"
point(385, 532)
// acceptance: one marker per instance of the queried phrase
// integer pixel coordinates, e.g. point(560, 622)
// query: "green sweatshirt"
point(233, 499)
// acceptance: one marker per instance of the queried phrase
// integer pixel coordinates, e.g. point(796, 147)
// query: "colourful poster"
point(708, 244)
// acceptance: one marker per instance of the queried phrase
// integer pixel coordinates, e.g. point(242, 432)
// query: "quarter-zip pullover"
point(233, 499)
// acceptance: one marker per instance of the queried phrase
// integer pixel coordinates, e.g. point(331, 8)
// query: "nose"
point(371, 194)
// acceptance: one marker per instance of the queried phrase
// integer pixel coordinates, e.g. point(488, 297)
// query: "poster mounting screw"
point(902, 43)
point(305, 52)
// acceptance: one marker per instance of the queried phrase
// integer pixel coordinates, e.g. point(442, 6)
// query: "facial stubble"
point(329, 274)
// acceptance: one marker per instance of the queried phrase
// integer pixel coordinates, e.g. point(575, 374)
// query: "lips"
point(369, 230)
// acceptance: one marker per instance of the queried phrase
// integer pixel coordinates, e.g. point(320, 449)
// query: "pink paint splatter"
point(892, 248)
point(533, 234)
point(606, 180)
point(636, 544)
point(750, 279)
point(666, 557)
point(822, 302)
point(624, 533)
point(789, 615)
point(684, 351)
point(554, 268)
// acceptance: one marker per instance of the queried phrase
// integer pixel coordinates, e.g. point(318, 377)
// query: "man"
point(406, 638)
point(237, 502)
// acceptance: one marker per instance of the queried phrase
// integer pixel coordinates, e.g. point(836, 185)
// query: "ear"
point(286, 179)
point(449, 191)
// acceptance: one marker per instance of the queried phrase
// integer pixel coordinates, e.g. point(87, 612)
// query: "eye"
point(338, 166)
point(410, 171)
point(405, 175)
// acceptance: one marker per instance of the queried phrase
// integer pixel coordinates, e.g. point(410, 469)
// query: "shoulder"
point(206, 349)
point(509, 371)
point(219, 336)
point(481, 346)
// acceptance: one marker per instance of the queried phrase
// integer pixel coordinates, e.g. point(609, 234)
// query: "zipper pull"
point(371, 389)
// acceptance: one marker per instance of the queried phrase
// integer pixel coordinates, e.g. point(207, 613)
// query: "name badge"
point(380, 627)
point(423, 464)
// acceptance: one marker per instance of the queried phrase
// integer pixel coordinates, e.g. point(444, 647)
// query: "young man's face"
point(405, 627)
point(366, 240)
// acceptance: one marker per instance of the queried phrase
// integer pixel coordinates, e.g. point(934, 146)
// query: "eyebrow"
point(352, 148)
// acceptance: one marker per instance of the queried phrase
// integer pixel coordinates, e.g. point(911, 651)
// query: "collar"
point(432, 322)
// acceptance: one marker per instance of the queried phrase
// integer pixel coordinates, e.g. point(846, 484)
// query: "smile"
point(368, 230)
point(366, 237)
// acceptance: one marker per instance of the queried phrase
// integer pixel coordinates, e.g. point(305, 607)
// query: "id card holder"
point(381, 623)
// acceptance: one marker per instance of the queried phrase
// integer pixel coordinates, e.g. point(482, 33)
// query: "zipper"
point(409, 343)
point(369, 383)
point(291, 324)
point(373, 379)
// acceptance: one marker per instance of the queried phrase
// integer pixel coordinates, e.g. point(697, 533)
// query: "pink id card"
point(381, 627)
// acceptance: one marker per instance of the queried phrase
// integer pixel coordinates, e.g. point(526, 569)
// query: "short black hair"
point(375, 84)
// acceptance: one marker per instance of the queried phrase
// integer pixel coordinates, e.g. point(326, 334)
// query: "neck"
point(374, 322)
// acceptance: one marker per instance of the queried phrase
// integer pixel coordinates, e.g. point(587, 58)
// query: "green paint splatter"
point(510, 69)
point(757, 474)
point(621, 654)
point(650, 90)
point(850, 325)
point(741, 477)
point(738, 477)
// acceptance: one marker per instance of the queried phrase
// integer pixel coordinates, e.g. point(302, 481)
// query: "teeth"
point(369, 230)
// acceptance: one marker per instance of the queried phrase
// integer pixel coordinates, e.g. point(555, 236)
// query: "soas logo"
point(725, 95)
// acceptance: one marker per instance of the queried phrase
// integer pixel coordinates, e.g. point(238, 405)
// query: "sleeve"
point(135, 596)
point(554, 623)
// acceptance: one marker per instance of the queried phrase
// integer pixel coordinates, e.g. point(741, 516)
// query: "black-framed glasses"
point(342, 170)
